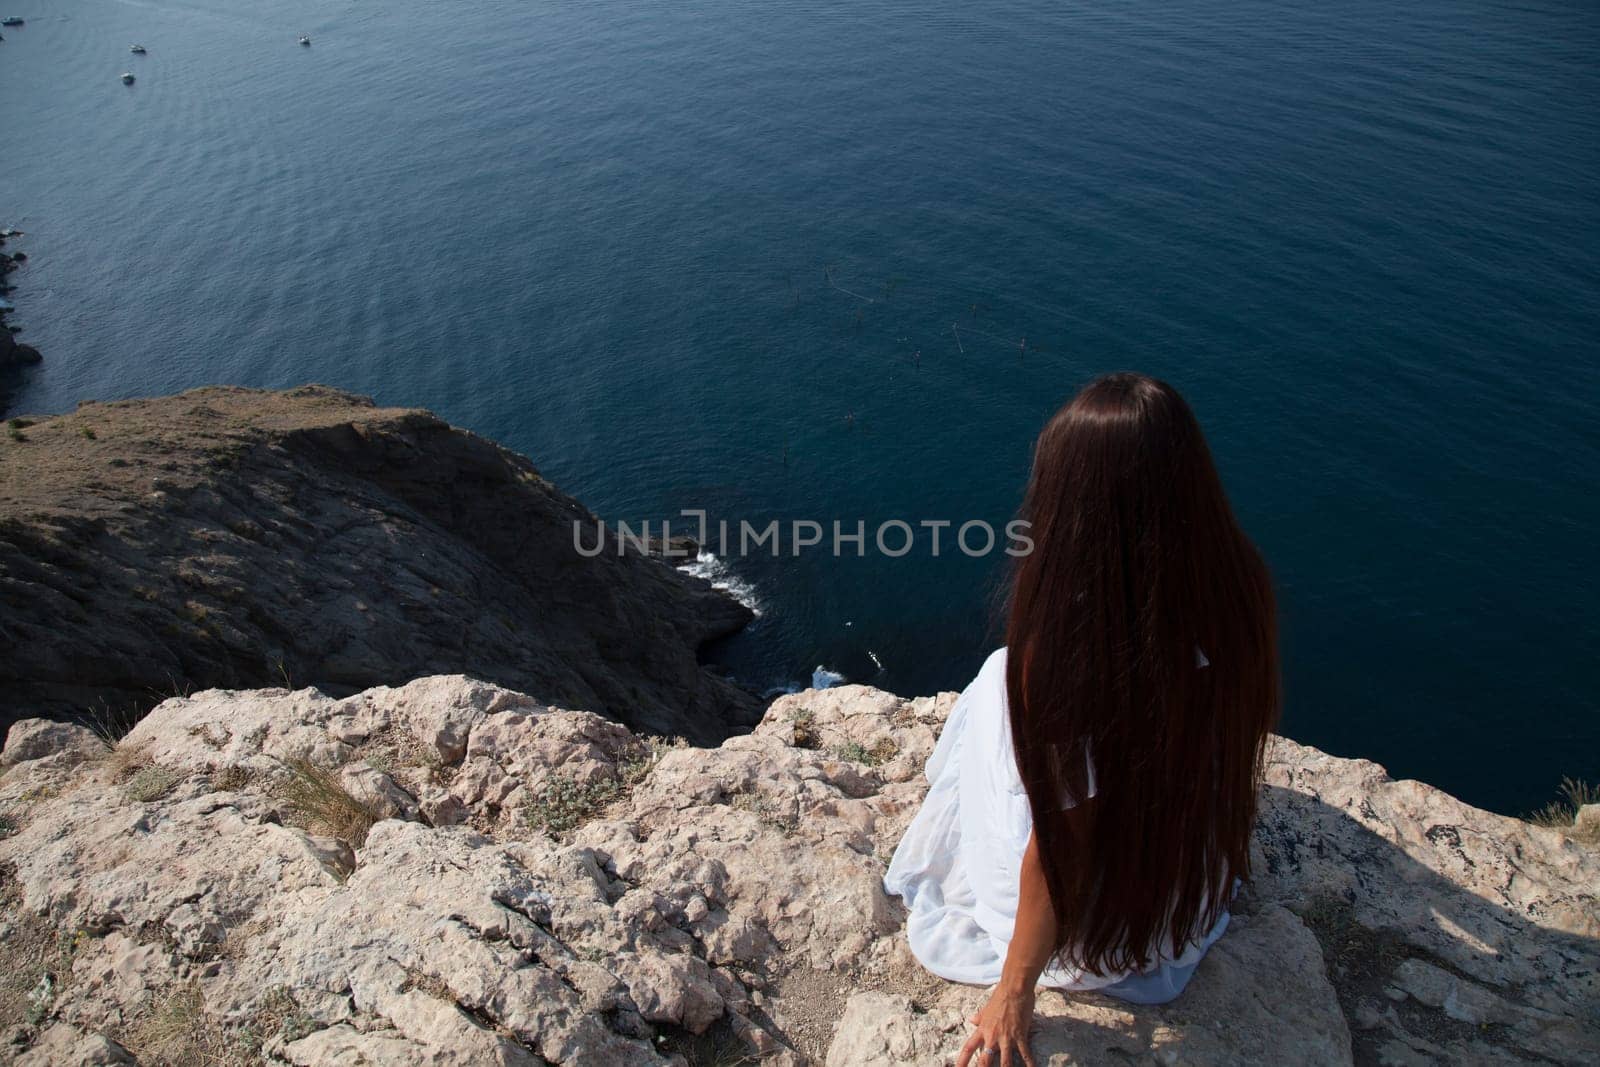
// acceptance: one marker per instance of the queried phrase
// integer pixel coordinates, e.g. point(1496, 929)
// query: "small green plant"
point(765, 810)
point(41, 999)
point(1560, 814)
point(852, 751)
point(637, 768)
point(151, 782)
point(318, 799)
point(8, 826)
point(279, 1015)
point(69, 942)
point(383, 762)
point(16, 434)
point(19, 424)
point(88, 432)
point(565, 803)
point(880, 752)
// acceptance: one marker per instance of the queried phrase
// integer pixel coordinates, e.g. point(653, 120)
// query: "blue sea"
point(779, 260)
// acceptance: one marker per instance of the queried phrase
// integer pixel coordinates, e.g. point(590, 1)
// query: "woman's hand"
point(1001, 1037)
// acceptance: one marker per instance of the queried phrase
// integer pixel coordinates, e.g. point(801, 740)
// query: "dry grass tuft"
point(805, 732)
point(411, 762)
point(879, 753)
point(719, 1046)
point(319, 801)
point(151, 782)
point(124, 760)
point(179, 1033)
point(110, 724)
point(231, 779)
point(1561, 814)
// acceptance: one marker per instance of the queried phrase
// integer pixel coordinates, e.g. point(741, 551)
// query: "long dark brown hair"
point(1139, 574)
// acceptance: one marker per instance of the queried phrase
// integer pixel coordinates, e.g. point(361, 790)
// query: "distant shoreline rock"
point(13, 355)
point(244, 538)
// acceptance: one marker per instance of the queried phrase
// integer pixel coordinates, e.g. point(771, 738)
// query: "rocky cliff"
point(454, 873)
point(242, 538)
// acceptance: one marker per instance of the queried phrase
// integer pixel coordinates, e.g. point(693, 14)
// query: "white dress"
point(959, 864)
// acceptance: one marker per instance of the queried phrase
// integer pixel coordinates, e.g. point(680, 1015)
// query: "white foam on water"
point(823, 678)
point(707, 566)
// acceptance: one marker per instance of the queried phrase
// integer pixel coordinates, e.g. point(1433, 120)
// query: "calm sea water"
point(1363, 237)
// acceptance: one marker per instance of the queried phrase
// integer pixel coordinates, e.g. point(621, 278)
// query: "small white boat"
point(12, 20)
point(137, 49)
point(127, 78)
point(305, 39)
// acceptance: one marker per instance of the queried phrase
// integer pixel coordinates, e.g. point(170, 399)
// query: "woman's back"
point(1091, 801)
point(974, 770)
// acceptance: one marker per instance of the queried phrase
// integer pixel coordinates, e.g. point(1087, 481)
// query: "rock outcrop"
point(451, 872)
point(244, 538)
point(14, 355)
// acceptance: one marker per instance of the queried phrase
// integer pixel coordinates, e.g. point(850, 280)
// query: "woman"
point(1092, 795)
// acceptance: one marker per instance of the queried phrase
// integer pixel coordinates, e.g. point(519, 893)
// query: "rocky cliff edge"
point(450, 872)
point(245, 537)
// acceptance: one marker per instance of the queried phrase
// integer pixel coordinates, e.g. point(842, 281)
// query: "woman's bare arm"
point(1003, 1023)
point(1035, 935)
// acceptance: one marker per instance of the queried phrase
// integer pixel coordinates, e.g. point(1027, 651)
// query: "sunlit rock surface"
point(497, 881)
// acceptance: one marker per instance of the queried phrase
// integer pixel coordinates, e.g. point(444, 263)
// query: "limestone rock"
point(62, 1044)
point(887, 1028)
point(1586, 824)
point(671, 989)
point(31, 739)
point(1394, 871)
point(378, 791)
point(547, 887)
point(1260, 991)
